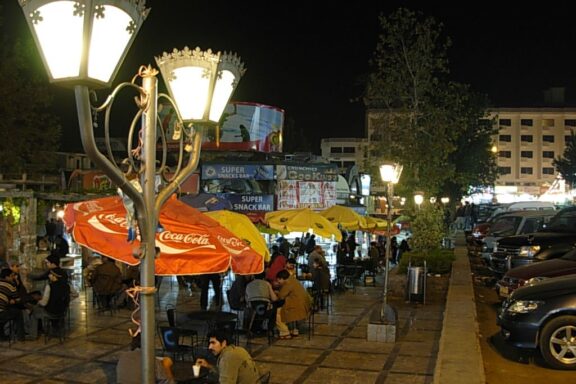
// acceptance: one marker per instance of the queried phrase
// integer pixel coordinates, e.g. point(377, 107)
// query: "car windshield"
point(571, 255)
point(564, 221)
point(505, 226)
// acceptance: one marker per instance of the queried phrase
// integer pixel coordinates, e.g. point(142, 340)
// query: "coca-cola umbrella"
point(191, 243)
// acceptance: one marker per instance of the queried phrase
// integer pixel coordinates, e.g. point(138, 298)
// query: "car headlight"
point(529, 251)
point(534, 280)
point(523, 306)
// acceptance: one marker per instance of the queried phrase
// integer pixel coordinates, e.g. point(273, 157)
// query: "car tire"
point(558, 342)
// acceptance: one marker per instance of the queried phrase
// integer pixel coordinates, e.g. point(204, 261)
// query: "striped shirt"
point(7, 292)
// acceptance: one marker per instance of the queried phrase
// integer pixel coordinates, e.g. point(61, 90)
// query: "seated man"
point(234, 365)
point(9, 300)
point(296, 307)
point(54, 302)
point(106, 280)
point(260, 289)
point(129, 368)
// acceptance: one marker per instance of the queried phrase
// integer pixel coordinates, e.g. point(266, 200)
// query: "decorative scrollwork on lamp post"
point(83, 43)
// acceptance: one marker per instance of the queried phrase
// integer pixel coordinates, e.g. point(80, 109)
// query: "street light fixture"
point(390, 174)
point(418, 198)
point(445, 200)
point(83, 43)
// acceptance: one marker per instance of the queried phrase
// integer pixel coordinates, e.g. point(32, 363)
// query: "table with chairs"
point(215, 320)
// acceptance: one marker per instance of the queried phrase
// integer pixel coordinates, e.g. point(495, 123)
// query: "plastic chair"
point(170, 337)
point(260, 311)
point(184, 331)
point(8, 325)
point(55, 325)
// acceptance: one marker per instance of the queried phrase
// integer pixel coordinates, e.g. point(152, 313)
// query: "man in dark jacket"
point(55, 299)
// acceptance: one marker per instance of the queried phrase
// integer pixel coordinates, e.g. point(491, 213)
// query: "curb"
point(459, 357)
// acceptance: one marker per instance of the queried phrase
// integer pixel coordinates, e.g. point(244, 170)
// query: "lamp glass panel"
point(222, 92)
point(387, 173)
point(108, 42)
point(189, 87)
point(60, 36)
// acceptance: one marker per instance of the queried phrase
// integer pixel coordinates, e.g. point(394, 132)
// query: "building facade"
point(527, 142)
point(345, 152)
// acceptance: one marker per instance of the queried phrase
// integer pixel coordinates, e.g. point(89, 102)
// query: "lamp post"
point(390, 174)
point(82, 44)
point(418, 198)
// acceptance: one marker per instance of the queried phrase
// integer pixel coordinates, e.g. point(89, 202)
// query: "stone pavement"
point(337, 352)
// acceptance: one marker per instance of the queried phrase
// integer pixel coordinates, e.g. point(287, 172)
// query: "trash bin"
point(447, 243)
point(416, 284)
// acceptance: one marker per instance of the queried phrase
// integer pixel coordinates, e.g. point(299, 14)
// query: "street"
point(502, 362)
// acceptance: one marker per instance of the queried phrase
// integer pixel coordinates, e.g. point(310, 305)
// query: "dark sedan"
point(543, 315)
point(517, 277)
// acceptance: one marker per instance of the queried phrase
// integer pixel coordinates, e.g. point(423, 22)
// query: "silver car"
point(513, 223)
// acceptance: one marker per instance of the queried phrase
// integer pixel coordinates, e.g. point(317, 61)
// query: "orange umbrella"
point(191, 243)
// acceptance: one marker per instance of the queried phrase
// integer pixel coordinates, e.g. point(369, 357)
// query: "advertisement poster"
point(243, 127)
point(316, 195)
point(247, 127)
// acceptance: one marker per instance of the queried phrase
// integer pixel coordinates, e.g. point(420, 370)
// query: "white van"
point(530, 206)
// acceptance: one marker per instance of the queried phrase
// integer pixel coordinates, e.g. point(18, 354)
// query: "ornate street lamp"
point(445, 200)
point(83, 43)
point(390, 174)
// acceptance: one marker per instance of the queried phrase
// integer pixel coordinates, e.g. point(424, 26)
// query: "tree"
point(30, 133)
point(566, 164)
point(422, 118)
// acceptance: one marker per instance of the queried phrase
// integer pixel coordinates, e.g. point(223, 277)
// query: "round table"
point(183, 373)
point(212, 316)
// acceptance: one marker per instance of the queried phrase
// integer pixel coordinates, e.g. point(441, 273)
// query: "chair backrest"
point(170, 337)
point(260, 307)
point(265, 378)
point(171, 316)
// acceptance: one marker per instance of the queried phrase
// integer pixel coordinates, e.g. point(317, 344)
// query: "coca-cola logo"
point(87, 207)
point(112, 218)
point(231, 241)
point(185, 238)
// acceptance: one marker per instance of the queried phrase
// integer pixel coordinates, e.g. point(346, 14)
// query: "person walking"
point(205, 287)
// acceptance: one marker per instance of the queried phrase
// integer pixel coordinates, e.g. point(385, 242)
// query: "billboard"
point(247, 127)
point(243, 127)
point(308, 186)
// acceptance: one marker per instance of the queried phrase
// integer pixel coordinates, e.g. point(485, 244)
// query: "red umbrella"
point(191, 243)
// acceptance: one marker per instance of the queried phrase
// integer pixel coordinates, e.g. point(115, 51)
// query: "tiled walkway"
point(337, 353)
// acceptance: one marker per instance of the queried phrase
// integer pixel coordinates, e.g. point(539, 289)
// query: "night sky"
point(305, 57)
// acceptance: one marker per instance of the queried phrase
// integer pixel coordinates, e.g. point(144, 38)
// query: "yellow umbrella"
point(241, 226)
point(346, 217)
point(302, 220)
point(375, 223)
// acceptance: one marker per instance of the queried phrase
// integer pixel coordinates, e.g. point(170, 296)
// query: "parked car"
point(543, 315)
point(480, 231)
point(513, 223)
point(517, 277)
point(557, 238)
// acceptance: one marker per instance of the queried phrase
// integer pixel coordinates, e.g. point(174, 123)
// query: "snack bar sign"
point(237, 171)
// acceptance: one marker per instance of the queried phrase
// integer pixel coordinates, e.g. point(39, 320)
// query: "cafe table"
point(184, 374)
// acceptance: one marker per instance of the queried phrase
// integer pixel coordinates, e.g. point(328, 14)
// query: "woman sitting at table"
point(277, 263)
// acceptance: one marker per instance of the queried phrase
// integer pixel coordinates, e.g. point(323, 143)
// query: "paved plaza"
point(338, 352)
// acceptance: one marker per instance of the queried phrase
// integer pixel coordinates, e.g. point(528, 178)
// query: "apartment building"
point(345, 152)
point(527, 142)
